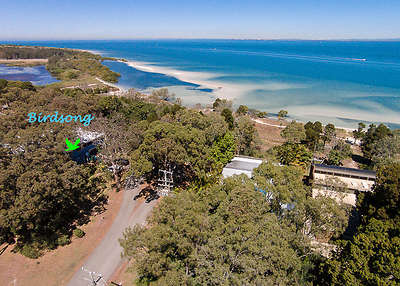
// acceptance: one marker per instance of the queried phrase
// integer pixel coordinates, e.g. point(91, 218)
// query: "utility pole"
point(95, 279)
point(165, 182)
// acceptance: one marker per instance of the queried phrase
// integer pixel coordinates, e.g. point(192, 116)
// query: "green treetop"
point(242, 110)
point(294, 132)
point(213, 238)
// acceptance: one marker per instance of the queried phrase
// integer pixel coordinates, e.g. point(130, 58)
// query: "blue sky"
point(129, 19)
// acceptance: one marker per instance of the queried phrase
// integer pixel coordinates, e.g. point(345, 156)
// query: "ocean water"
point(343, 82)
point(142, 80)
point(38, 75)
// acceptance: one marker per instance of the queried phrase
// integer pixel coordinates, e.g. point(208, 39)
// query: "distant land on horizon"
point(341, 82)
point(205, 39)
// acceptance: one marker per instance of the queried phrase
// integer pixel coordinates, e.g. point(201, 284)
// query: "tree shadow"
point(91, 208)
point(353, 223)
point(360, 159)
point(3, 249)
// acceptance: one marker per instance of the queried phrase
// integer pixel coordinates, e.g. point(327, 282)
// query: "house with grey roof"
point(241, 165)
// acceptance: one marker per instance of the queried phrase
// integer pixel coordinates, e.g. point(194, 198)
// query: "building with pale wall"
point(354, 180)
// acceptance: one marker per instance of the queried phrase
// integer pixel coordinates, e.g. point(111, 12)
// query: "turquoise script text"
point(55, 117)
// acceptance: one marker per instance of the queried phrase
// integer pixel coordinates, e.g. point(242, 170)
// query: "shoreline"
point(191, 77)
point(231, 91)
point(90, 51)
point(120, 89)
point(288, 120)
point(220, 89)
point(28, 61)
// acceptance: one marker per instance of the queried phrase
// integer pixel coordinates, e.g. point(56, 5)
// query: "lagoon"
point(37, 75)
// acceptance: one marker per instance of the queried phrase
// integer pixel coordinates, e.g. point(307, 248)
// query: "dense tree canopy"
point(294, 132)
point(294, 154)
point(359, 132)
point(213, 237)
point(223, 149)
point(372, 257)
point(43, 191)
point(246, 136)
point(227, 114)
point(313, 134)
point(220, 104)
point(329, 133)
point(23, 52)
point(386, 150)
point(184, 146)
point(384, 201)
point(338, 153)
point(292, 200)
point(373, 135)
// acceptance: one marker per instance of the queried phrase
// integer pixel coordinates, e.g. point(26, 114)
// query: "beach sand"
point(204, 80)
point(344, 117)
point(120, 89)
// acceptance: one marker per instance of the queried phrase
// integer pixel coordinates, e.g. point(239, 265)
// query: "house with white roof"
point(241, 165)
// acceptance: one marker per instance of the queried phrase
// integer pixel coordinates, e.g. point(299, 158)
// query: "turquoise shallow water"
point(342, 82)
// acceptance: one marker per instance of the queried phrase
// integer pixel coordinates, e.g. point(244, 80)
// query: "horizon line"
point(173, 38)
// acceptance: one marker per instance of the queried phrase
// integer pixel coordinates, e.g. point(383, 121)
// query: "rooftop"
point(244, 163)
point(88, 136)
point(346, 171)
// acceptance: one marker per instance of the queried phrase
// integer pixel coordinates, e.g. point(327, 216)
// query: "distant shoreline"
point(12, 41)
point(234, 90)
point(187, 77)
point(190, 77)
point(24, 62)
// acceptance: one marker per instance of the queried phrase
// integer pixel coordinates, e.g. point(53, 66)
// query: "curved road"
point(106, 258)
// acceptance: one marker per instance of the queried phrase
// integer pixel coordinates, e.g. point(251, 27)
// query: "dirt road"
point(106, 258)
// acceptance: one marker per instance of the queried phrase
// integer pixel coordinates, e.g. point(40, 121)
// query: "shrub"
point(63, 240)
point(282, 114)
point(242, 110)
point(27, 85)
point(30, 251)
point(22, 84)
point(108, 104)
point(3, 83)
point(70, 74)
point(227, 114)
point(79, 233)
point(262, 114)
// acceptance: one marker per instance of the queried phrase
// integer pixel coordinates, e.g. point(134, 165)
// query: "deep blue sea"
point(343, 82)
